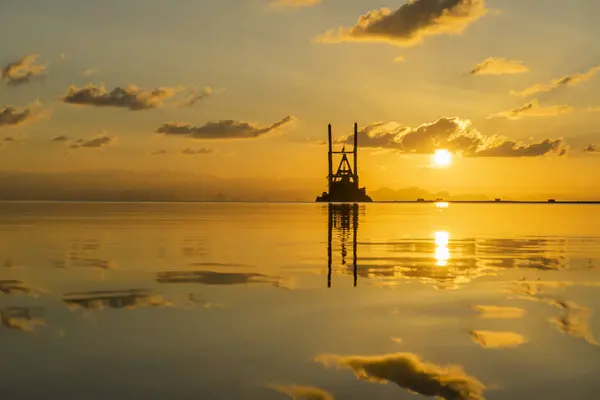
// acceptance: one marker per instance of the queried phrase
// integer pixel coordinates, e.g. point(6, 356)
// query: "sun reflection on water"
point(442, 252)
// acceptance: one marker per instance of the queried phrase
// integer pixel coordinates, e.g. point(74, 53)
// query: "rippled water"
point(272, 301)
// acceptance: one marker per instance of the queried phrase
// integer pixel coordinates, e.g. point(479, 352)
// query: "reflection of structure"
point(344, 219)
point(343, 185)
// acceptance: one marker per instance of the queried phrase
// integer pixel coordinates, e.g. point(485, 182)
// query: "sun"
point(442, 158)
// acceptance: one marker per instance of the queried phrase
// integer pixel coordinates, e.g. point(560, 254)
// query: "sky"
point(243, 90)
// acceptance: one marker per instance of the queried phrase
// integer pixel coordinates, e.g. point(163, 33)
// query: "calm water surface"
point(306, 301)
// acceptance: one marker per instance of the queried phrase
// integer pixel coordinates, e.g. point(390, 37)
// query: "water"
point(252, 301)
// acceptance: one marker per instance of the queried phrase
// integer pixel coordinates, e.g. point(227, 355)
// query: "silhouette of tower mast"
point(343, 186)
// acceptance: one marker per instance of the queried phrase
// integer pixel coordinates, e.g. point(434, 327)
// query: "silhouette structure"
point(343, 218)
point(343, 186)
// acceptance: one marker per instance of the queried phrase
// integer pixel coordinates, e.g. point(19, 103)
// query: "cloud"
point(195, 152)
point(194, 97)
point(533, 109)
point(496, 340)
point(399, 59)
point(159, 152)
point(592, 148)
point(511, 148)
point(294, 3)
point(303, 392)
point(90, 71)
point(499, 66)
point(130, 97)
point(575, 321)
point(409, 372)
point(225, 129)
point(213, 278)
point(22, 71)
point(495, 312)
point(411, 23)
point(61, 138)
point(98, 300)
point(20, 319)
point(16, 287)
point(14, 116)
point(452, 133)
point(569, 80)
point(100, 141)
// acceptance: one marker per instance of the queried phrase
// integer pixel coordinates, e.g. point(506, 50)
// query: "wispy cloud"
point(499, 66)
point(130, 97)
point(194, 97)
point(399, 59)
point(408, 371)
point(296, 392)
point(533, 109)
point(496, 340)
point(569, 80)
point(410, 24)
point(90, 72)
point(23, 70)
point(495, 312)
point(454, 134)
point(196, 152)
point(102, 140)
point(226, 129)
point(592, 148)
point(294, 3)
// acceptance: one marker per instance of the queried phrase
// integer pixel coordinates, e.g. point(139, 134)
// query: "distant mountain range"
point(414, 193)
point(167, 185)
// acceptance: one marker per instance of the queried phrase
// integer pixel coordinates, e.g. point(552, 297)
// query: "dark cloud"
point(411, 23)
point(98, 300)
point(94, 143)
point(195, 152)
point(296, 392)
point(61, 138)
point(225, 129)
point(592, 148)
point(533, 109)
point(496, 340)
point(194, 97)
point(409, 372)
point(130, 97)
point(569, 80)
point(159, 152)
point(499, 66)
point(22, 71)
point(452, 133)
point(13, 116)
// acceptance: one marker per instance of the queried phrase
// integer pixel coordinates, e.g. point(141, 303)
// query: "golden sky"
point(246, 88)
